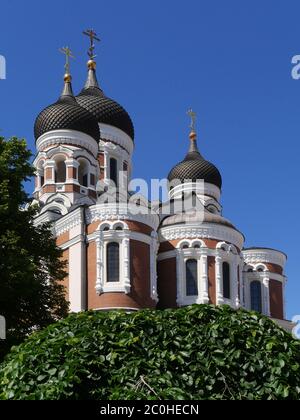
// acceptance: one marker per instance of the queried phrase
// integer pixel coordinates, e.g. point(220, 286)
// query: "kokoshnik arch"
point(119, 259)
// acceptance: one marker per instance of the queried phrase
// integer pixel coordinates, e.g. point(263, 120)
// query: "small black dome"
point(66, 114)
point(194, 167)
point(104, 109)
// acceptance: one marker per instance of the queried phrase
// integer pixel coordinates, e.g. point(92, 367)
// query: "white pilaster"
point(234, 284)
point(266, 296)
point(77, 271)
point(204, 278)
point(126, 262)
point(219, 283)
point(153, 267)
point(180, 276)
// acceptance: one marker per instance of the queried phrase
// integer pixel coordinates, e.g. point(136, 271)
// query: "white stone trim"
point(182, 256)
point(254, 256)
point(154, 245)
point(136, 236)
point(112, 211)
point(116, 135)
point(266, 295)
point(67, 222)
point(59, 137)
point(166, 255)
point(111, 308)
point(102, 240)
point(204, 189)
point(71, 242)
point(260, 275)
point(204, 231)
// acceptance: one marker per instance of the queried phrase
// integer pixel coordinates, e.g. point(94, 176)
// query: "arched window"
point(255, 292)
point(113, 262)
point(226, 280)
point(83, 172)
point(191, 278)
point(113, 167)
point(60, 170)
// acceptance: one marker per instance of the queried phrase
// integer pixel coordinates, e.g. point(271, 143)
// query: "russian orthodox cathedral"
point(120, 258)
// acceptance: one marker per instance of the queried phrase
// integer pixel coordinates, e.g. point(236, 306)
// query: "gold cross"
point(193, 116)
point(68, 53)
point(93, 37)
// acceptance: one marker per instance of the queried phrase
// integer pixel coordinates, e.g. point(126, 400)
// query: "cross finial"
point(193, 116)
point(93, 37)
point(68, 53)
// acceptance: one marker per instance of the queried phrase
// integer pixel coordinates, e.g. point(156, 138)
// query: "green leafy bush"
point(198, 352)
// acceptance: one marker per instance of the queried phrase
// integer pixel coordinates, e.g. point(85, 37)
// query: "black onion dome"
point(104, 109)
point(194, 167)
point(66, 114)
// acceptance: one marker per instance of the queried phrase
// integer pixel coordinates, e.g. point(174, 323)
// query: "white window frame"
point(103, 238)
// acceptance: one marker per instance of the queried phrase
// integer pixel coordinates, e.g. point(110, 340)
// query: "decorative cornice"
point(116, 135)
point(68, 222)
point(203, 188)
point(112, 148)
point(121, 212)
point(253, 256)
point(76, 138)
point(204, 231)
point(264, 275)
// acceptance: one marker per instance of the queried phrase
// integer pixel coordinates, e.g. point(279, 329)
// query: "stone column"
point(126, 263)
point(99, 263)
point(180, 276)
point(242, 286)
point(204, 278)
point(106, 166)
point(266, 296)
point(234, 284)
point(153, 266)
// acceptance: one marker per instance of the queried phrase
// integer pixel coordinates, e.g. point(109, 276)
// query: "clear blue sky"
point(229, 60)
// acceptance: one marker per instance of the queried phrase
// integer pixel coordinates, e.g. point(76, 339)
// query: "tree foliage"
point(31, 294)
point(197, 352)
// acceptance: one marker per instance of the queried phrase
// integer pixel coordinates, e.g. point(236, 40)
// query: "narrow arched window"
point(191, 278)
point(83, 173)
point(113, 171)
point(226, 280)
point(60, 170)
point(255, 292)
point(113, 262)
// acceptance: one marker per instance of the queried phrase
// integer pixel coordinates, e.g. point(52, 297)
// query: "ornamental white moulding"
point(263, 255)
point(115, 135)
point(102, 240)
point(205, 231)
point(73, 137)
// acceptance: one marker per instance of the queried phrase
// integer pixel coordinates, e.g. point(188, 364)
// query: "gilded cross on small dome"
point(68, 53)
point(193, 116)
point(93, 37)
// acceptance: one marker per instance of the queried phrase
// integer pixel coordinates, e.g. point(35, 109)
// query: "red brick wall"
point(166, 283)
point(140, 274)
point(276, 299)
point(274, 268)
point(48, 173)
point(211, 262)
point(61, 239)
